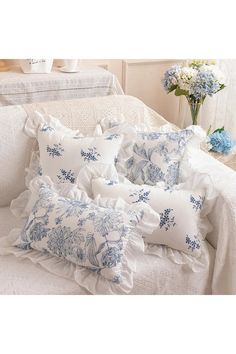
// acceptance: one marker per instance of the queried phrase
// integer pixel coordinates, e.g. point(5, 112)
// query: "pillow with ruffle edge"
point(184, 223)
point(135, 218)
point(132, 135)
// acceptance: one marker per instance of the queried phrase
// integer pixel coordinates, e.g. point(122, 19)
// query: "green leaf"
point(179, 92)
point(221, 87)
point(219, 130)
point(172, 88)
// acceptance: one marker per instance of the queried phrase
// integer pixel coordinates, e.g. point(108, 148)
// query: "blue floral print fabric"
point(182, 225)
point(81, 231)
point(156, 157)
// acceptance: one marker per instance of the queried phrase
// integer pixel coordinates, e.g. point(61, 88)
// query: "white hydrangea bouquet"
point(195, 81)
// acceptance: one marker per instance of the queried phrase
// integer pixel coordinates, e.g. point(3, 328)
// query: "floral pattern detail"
point(47, 128)
point(38, 232)
point(193, 243)
point(140, 195)
point(66, 176)
point(154, 174)
point(197, 203)
point(55, 151)
point(111, 257)
point(166, 220)
point(153, 157)
point(110, 182)
point(90, 155)
point(82, 233)
point(112, 137)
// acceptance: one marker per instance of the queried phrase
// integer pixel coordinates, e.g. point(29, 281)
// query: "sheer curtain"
point(218, 110)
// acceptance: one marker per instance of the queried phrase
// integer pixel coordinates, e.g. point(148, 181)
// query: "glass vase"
point(194, 109)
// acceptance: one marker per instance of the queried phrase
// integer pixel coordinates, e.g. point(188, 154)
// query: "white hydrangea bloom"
point(185, 77)
point(216, 71)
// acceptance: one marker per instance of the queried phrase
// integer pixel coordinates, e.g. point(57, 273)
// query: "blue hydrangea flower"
point(205, 83)
point(221, 142)
point(170, 79)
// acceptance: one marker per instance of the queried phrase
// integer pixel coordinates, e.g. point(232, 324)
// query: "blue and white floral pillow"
point(156, 157)
point(183, 223)
point(100, 236)
point(63, 152)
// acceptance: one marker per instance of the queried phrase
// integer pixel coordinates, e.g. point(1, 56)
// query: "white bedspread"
point(155, 275)
point(18, 88)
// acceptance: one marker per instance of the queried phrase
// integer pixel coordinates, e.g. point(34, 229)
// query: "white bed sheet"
point(155, 275)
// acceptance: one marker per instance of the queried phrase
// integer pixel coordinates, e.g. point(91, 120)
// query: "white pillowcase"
point(183, 223)
point(64, 153)
point(101, 236)
point(149, 155)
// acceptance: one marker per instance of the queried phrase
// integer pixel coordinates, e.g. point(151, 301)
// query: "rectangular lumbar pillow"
point(63, 152)
point(183, 223)
point(100, 240)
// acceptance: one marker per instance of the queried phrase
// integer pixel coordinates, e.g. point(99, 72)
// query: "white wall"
point(140, 78)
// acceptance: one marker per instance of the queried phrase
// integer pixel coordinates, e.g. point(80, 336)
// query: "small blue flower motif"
point(111, 257)
point(47, 128)
point(55, 151)
point(221, 141)
point(90, 155)
point(193, 243)
point(166, 220)
point(38, 232)
point(154, 174)
point(150, 135)
point(56, 240)
point(58, 220)
point(140, 195)
point(66, 176)
point(110, 182)
point(112, 137)
point(197, 203)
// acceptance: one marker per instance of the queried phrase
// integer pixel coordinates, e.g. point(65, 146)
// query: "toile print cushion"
point(156, 157)
point(102, 236)
point(63, 152)
point(148, 156)
point(183, 223)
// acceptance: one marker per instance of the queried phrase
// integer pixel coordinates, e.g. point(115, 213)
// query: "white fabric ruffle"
point(91, 281)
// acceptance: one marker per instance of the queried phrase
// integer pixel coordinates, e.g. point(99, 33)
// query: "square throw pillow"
point(103, 237)
point(152, 154)
point(63, 153)
point(156, 157)
point(183, 223)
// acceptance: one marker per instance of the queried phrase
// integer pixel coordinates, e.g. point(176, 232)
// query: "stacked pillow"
point(99, 240)
point(183, 222)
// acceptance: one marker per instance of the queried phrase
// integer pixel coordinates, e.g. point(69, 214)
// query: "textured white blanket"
point(18, 88)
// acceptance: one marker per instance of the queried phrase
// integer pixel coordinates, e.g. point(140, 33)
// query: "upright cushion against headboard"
point(83, 114)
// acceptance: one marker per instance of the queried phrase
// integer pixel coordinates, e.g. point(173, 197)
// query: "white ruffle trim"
point(93, 282)
point(196, 264)
point(40, 120)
